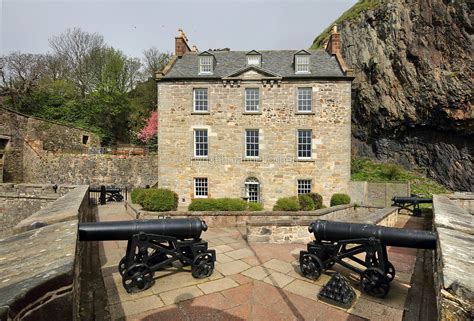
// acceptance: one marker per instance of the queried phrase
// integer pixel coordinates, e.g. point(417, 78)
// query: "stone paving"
point(250, 282)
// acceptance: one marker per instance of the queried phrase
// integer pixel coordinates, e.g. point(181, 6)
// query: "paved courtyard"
point(250, 282)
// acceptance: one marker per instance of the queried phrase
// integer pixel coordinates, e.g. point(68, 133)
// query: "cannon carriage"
point(340, 242)
point(154, 245)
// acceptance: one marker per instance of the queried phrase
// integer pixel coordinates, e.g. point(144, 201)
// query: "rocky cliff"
point(412, 93)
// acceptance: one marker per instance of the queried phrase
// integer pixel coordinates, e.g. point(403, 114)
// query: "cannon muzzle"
point(388, 236)
point(180, 228)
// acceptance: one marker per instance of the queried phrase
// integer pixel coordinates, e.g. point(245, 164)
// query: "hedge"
point(317, 199)
point(287, 204)
point(306, 202)
point(339, 199)
point(137, 195)
point(223, 204)
point(159, 200)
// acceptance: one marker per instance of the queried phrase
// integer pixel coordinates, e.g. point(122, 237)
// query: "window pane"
point(302, 63)
point(305, 99)
point(200, 142)
point(304, 143)
point(304, 186)
point(200, 99)
point(253, 60)
point(205, 65)
point(251, 99)
point(252, 143)
point(200, 187)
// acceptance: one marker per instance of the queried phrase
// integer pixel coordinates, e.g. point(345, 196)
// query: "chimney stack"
point(334, 44)
point(181, 44)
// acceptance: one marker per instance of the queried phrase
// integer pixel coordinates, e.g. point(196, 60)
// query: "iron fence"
point(103, 194)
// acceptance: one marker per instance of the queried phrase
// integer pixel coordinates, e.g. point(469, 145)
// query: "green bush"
point(393, 172)
point(137, 195)
point(317, 200)
point(223, 204)
point(306, 202)
point(287, 204)
point(252, 206)
point(160, 200)
point(339, 199)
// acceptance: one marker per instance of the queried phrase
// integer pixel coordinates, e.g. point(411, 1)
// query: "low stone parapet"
point(454, 259)
point(295, 230)
point(39, 268)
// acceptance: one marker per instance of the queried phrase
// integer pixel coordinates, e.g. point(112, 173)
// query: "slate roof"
point(279, 62)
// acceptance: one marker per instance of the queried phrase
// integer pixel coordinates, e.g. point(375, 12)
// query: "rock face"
point(412, 95)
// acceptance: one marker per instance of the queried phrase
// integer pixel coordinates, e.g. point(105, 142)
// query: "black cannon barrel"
point(181, 228)
point(391, 236)
point(419, 200)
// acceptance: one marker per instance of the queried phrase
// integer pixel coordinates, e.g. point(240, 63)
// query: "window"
point(252, 190)
point(85, 139)
point(251, 99)
point(200, 187)
point(304, 143)
point(200, 100)
point(302, 64)
point(304, 186)
point(305, 98)
point(205, 65)
point(251, 143)
point(253, 60)
point(200, 143)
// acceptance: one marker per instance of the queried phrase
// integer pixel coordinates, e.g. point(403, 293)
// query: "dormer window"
point(302, 62)
point(254, 58)
point(205, 65)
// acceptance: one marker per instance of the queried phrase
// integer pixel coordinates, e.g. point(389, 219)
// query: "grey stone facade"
point(278, 168)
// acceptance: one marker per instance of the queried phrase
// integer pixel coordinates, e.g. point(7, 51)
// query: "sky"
point(132, 26)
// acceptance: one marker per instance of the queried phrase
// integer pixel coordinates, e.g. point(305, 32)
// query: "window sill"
point(305, 113)
point(252, 113)
point(252, 160)
point(305, 160)
point(200, 113)
point(202, 159)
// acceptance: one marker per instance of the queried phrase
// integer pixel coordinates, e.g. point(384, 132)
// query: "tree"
point(154, 61)
point(81, 52)
point(150, 129)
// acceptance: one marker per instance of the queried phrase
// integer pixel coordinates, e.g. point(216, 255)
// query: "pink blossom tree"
point(149, 131)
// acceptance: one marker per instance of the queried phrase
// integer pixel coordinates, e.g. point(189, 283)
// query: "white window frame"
point(200, 99)
point(201, 184)
point(302, 64)
point(303, 99)
point(303, 185)
point(252, 143)
point(252, 181)
point(257, 60)
point(206, 65)
point(251, 98)
point(302, 144)
point(205, 144)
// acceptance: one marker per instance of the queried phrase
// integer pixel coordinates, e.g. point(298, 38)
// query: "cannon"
point(153, 245)
point(413, 200)
point(340, 242)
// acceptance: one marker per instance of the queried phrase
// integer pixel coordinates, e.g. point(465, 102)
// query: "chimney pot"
point(334, 43)
point(181, 44)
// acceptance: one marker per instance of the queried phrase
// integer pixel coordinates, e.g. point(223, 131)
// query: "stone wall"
point(277, 169)
point(295, 230)
point(119, 170)
point(29, 137)
point(454, 259)
point(19, 201)
point(377, 193)
point(39, 269)
point(464, 200)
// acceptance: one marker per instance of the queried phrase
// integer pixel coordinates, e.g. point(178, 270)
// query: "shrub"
point(223, 204)
point(392, 172)
point(160, 200)
point(137, 195)
point(306, 202)
point(317, 200)
point(339, 199)
point(287, 204)
point(252, 206)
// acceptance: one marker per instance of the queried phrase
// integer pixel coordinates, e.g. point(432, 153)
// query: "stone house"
point(257, 125)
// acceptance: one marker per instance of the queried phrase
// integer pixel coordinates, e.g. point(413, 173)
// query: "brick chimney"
point(181, 44)
point(334, 44)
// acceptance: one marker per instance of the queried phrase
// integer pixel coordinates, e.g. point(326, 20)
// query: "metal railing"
point(103, 194)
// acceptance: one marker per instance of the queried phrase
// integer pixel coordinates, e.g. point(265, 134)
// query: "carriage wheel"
point(310, 266)
point(203, 266)
point(375, 282)
point(137, 278)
